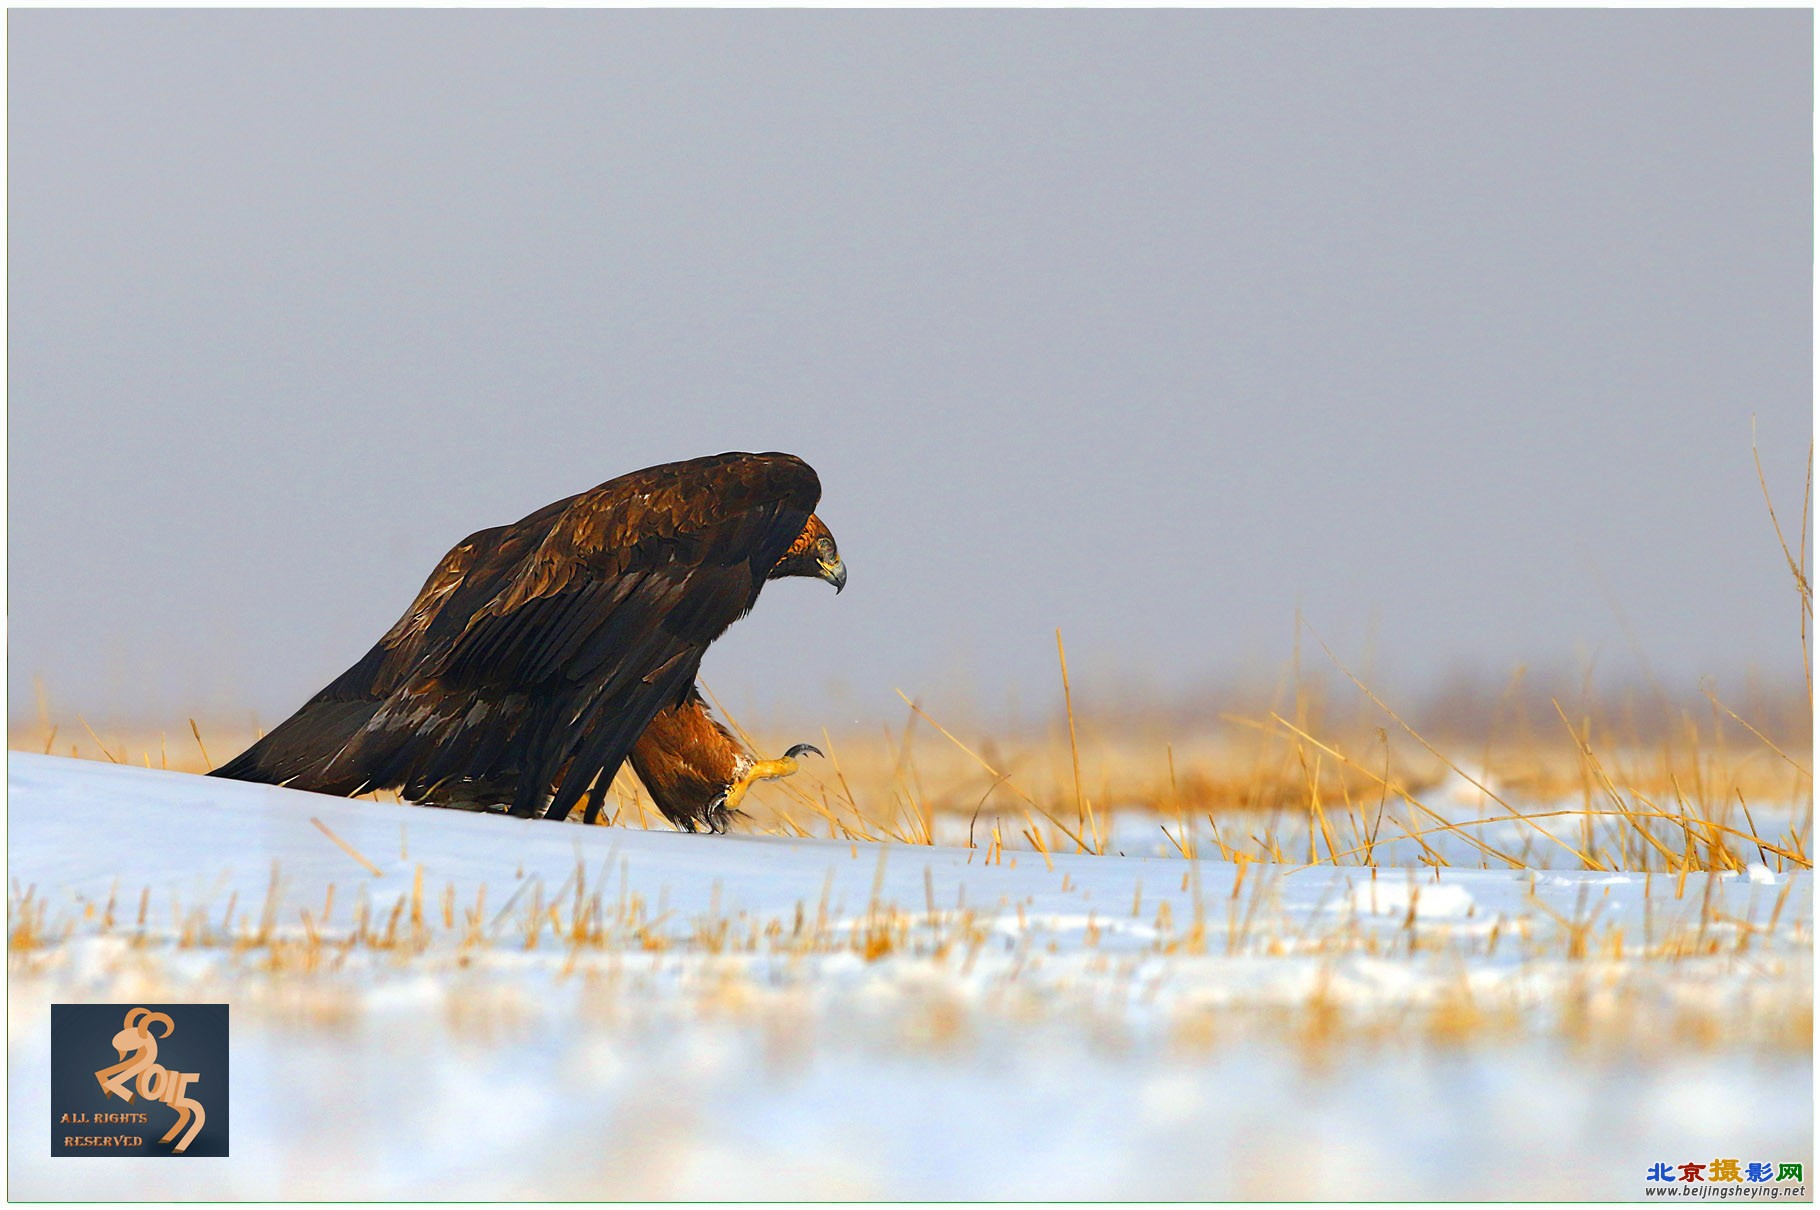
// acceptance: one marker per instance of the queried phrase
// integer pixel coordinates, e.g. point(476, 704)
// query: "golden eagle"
point(539, 656)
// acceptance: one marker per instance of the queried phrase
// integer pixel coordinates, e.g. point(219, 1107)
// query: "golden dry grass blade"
point(1591, 862)
point(1086, 824)
point(1683, 821)
point(1591, 762)
point(91, 734)
point(1445, 825)
point(197, 732)
point(345, 847)
point(1768, 742)
point(1797, 568)
point(1003, 778)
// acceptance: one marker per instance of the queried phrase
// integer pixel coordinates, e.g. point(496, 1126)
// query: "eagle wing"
point(296, 751)
point(536, 654)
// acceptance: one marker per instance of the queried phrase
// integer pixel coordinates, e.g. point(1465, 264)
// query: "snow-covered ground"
point(522, 1009)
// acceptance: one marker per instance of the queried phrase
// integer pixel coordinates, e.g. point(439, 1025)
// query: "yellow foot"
point(765, 770)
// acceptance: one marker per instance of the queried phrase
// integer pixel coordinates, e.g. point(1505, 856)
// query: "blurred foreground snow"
point(763, 1018)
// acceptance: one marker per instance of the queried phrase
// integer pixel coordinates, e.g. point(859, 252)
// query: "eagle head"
point(813, 554)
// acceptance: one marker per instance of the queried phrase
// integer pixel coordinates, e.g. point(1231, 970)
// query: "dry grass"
point(1288, 784)
point(596, 927)
point(1349, 792)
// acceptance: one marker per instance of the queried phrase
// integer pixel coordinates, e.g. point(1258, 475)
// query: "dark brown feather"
point(537, 653)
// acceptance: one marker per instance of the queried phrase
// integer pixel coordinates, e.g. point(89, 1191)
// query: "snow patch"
point(1393, 896)
point(1084, 1052)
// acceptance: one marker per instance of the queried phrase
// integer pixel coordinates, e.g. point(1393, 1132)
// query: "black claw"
point(799, 749)
point(714, 817)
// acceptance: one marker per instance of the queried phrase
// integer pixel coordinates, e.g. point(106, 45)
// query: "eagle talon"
point(713, 817)
point(764, 770)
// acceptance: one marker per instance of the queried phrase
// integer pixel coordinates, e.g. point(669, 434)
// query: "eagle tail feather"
point(291, 751)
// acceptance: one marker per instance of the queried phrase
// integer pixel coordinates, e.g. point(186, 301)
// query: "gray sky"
point(1448, 326)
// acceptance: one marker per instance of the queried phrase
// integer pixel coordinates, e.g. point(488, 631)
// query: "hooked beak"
point(836, 574)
